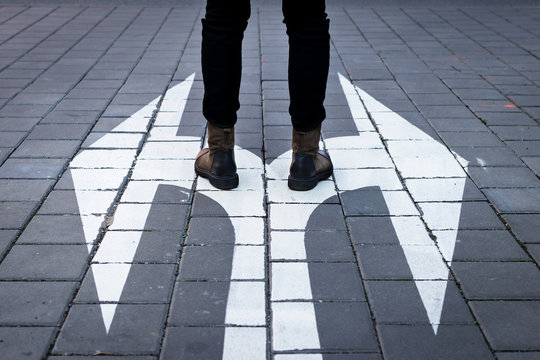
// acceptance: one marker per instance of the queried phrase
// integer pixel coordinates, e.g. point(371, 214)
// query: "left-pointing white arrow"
point(99, 172)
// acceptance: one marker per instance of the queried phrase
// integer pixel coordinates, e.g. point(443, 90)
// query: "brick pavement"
point(423, 245)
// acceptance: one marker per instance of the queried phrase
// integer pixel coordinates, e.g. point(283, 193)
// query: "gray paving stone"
point(13, 214)
point(206, 263)
point(498, 280)
point(220, 232)
point(503, 177)
point(518, 355)
point(487, 245)
point(53, 229)
point(336, 281)
point(328, 246)
point(399, 302)
point(365, 202)
point(146, 283)
point(515, 200)
point(488, 156)
point(11, 138)
point(385, 262)
point(47, 149)
point(446, 112)
point(193, 343)
point(327, 217)
point(44, 262)
point(24, 190)
point(32, 168)
point(6, 239)
point(158, 247)
point(461, 125)
point(60, 202)
point(509, 325)
point(35, 345)
point(419, 342)
point(525, 226)
point(533, 163)
point(34, 303)
point(517, 132)
point(470, 139)
point(70, 117)
point(479, 215)
point(199, 304)
point(59, 132)
point(135, 329)
point(372, 230)
point(349, 356)
point(525, 148)
point(91, 357)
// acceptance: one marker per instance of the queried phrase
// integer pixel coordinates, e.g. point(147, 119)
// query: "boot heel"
point(224, 183)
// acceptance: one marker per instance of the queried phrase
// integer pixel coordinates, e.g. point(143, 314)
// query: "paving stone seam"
point(50, 189)
point(23, 8)
point(484, 334)
point(21, 140)
point(499, 215)
point(122, 187)
point(501, 59)
point(451, 273)
point(53, 9)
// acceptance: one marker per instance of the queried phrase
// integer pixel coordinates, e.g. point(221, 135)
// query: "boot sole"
point(220, 182)
point(304, 184)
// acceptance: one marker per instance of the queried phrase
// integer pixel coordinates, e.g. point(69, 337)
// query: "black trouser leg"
point(221, 59)
point(309, 58)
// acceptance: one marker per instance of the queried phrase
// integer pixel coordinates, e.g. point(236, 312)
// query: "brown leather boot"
point(216, 162)
point(309, 164)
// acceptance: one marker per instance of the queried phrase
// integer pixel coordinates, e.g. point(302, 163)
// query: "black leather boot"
point(309, 164)
point(216, 162)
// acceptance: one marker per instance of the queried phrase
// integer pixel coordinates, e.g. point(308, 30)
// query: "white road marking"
point(424, 162)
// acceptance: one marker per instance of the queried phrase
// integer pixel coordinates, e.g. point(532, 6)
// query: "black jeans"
point(309, 56)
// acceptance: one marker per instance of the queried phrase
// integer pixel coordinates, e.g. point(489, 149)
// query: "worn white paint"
point(432, 171)
point(416, 155)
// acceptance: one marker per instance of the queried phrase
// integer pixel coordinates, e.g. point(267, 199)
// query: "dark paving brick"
point(534, 249)
point(525, 148)
point(383, 262)
point(220, 232)
point(327, 217)
point(146, 283)
point(6, 239)
point(503, 177)
point(372, 230)
point(345, 326)
point(32, 168)
point(13, 215)
point(11, 138)
point(482, 245)
point(419, 342)
point(515, 200)
point(35, 344)
point(62, 229)
point(525, 226)
point(364, 202)
point(68, 117)
point(335, 281)
point(60, 202)
point(91, 357)
point(34, 303)
point(487, 156)
point(193, 343)
point(47, 149)
point(59, 132)
point(206, 263)
point(43, 262)
point(400, 302)
point(479, 215)
point(199, 303)
point(135, 329)
point(509, 325)
point(518, 355)
point(470, 139)
point(158, 247)
point(23, 190)
point(328, 246)
point(349, 356)
point(517, 132)
point(498, 280)
point(534, 164)
point(472, 124)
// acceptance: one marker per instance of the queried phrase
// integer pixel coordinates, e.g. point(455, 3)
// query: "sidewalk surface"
point(423, 245)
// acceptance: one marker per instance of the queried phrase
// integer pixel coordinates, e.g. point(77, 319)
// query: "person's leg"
point(309, 57)
point(221, 59)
